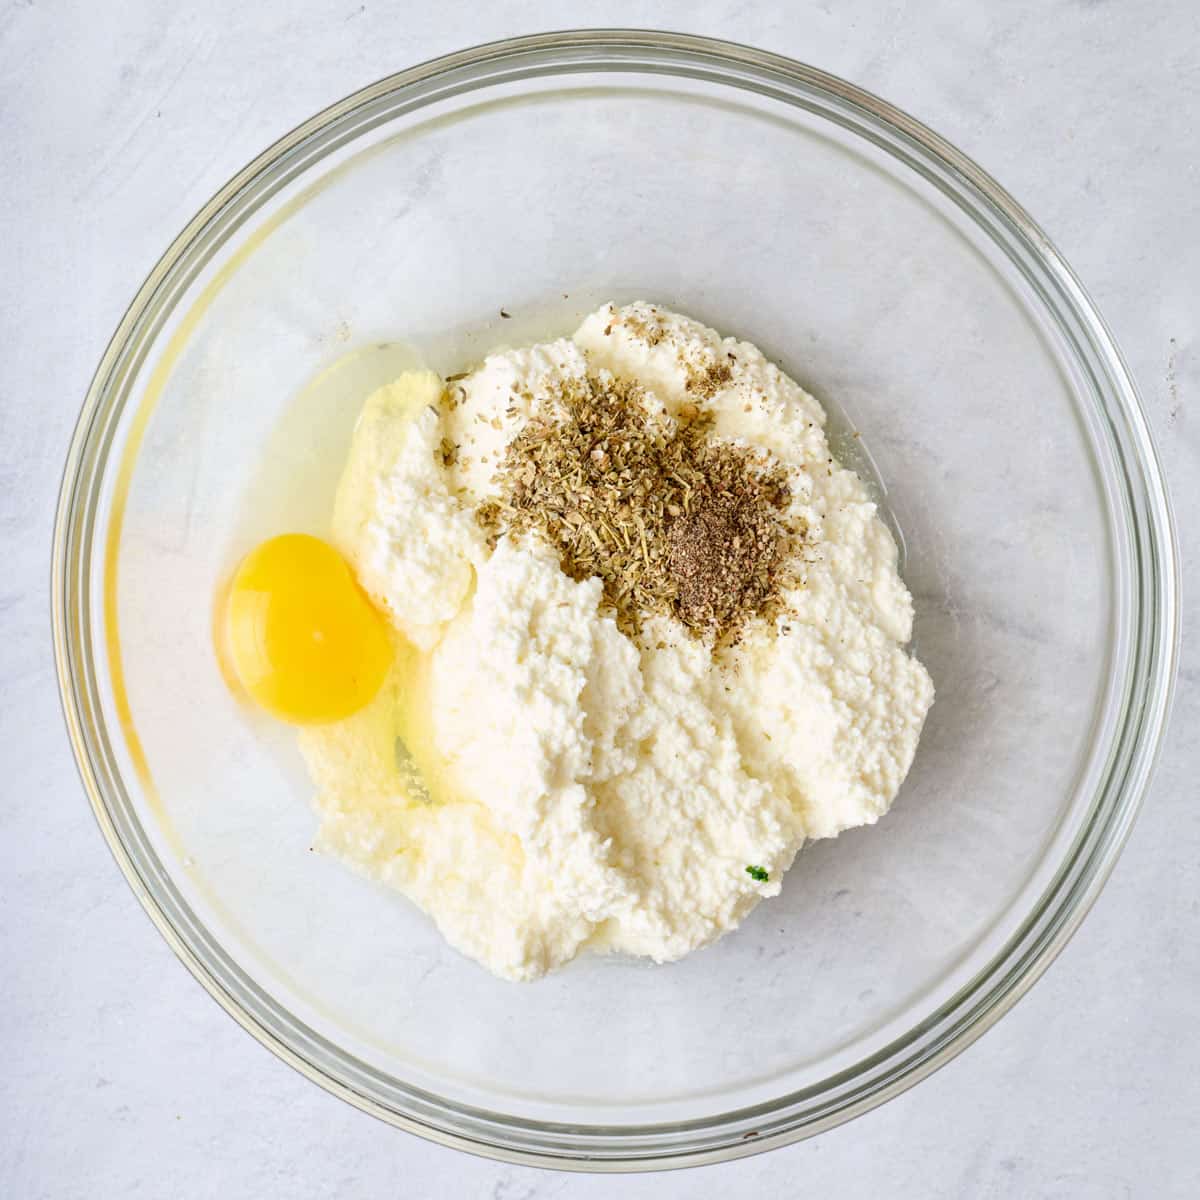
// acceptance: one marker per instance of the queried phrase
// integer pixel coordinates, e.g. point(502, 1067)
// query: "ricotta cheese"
point(540, 782)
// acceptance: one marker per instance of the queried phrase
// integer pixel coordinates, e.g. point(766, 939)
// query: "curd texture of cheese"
point(536, 780)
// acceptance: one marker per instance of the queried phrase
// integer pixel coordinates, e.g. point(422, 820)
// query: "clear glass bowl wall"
point(895, 281)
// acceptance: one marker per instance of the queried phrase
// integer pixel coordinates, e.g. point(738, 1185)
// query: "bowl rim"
point(1066, 900)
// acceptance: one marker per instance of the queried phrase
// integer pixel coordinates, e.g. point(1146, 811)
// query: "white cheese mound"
point(537, 781)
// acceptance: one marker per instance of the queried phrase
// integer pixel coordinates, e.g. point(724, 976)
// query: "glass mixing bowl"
point(887, 273)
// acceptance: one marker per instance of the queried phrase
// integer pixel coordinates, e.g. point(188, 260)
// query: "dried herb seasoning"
point(670, 519)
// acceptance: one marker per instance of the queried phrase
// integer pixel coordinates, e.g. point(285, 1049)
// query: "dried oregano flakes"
point(671, 520)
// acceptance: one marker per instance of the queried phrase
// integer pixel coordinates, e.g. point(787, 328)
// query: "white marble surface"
point(121, 1078)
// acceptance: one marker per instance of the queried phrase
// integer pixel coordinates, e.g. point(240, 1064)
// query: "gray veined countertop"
point(117, 121)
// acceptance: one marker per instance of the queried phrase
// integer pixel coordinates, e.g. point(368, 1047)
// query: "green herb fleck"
point(758, 874)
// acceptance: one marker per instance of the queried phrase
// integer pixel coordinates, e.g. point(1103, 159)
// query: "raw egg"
point(303, 639)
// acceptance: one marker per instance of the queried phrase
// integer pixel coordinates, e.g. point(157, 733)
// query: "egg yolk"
point(303, 639)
